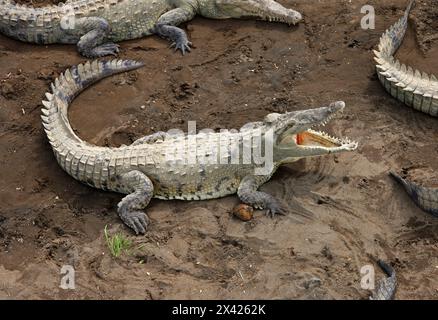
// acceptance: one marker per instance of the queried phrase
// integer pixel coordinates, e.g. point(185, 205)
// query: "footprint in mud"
point(419, 231)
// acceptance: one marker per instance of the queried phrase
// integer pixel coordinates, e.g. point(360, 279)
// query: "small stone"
point(312, 283)
point(143, 107)
point(326, 252)
point(8, 90)
point(243, 212)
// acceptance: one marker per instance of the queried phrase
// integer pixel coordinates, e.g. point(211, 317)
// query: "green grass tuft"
point(117, 243)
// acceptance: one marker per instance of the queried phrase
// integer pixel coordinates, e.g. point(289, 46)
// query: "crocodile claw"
point(137, 221)
point(275, 207)
point(107, 49)
point(182, 44)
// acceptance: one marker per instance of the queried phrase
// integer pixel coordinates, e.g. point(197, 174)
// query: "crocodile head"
point(294, 137)
point(260, 9)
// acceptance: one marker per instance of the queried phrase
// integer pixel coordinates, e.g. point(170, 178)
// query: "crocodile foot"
point(129, 208)
point(182, 44)
point(106, 49)
point(136, 220)
point(275, 207)
point(92, 44)
point(249, 194)
point(178, 37)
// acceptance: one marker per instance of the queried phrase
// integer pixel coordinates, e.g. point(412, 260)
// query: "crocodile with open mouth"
point(94, 25)
point(162, 165)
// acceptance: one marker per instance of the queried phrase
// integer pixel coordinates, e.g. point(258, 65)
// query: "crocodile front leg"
point(166, 27)
point(248, 194)
point(129, 209)
point(94, 32)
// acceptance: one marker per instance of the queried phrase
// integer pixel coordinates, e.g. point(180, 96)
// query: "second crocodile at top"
point(94, 25)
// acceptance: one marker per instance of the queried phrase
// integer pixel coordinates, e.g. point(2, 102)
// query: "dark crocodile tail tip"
point(396, 176)
point(386, 268)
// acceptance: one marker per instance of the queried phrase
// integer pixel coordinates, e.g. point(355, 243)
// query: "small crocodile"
point(94, 25)
point(414, 88)
point(386, 287)
point(166, 166)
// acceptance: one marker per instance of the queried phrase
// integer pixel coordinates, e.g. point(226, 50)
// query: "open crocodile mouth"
point(314, 139)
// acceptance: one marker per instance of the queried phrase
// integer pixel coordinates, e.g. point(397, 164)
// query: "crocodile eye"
point(272, 117)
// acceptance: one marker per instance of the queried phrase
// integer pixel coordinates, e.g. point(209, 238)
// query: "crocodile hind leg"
point(141, 192)
point(248, 194)
point(166, 27)
point(94, 32)
point(160, 135)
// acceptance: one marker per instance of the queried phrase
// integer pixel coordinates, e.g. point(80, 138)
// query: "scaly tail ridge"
point(416, 89)
point(65, 143)
point(425, 198)
point(386, 287)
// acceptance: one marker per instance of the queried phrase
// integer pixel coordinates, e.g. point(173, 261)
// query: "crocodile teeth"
point(342, 142)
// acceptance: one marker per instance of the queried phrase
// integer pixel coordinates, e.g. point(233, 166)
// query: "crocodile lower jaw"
point(316, 140)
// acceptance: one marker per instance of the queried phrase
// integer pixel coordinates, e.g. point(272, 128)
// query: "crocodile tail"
point(64, 89)
point(393, 37)
point(402, 181)
point(389, 271)
point(416, 89)
point(386, 287)
point(28, 24)
point(425, 198)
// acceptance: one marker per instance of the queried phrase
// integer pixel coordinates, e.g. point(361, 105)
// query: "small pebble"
point(243, 212)
point(312, 283)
